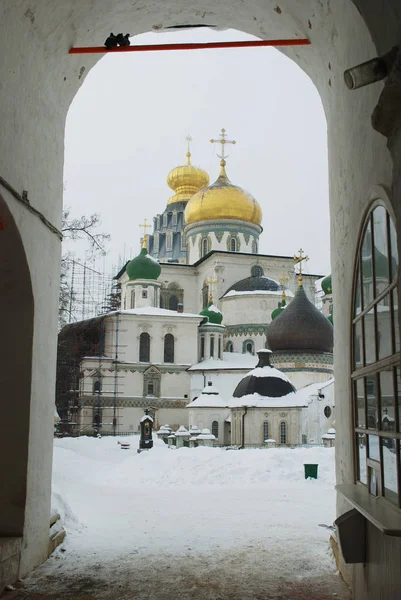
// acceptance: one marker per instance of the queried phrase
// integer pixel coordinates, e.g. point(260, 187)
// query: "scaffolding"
point(89, 288)
point(98, 390)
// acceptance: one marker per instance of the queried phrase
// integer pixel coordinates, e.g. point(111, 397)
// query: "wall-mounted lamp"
point(370, 71)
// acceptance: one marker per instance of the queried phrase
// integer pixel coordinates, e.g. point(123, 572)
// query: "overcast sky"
point(127, 125)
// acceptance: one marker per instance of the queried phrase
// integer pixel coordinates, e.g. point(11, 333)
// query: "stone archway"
point(16, 309)
point(39, 80)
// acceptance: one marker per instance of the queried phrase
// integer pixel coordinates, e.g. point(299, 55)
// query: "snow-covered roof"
point(214, 308)
point(155, 312)
point(231, 293)
point(182, 432)
point(231, 361)
point(208, 401)
point(206, 435)
point(145, 418)
point(313, 389)
point(291, 400)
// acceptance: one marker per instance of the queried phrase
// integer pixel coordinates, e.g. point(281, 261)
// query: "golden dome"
point(223, 200)
point(186, 180)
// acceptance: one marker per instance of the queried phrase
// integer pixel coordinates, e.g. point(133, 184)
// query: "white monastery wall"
point(225, 381)
point(204, 417)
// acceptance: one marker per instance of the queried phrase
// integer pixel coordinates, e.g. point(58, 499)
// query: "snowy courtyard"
point(190, 523)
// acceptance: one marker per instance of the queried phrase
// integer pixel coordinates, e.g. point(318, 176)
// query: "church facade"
point(196, 306)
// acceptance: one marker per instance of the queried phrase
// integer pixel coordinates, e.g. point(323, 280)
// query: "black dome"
point(255, 284)
point(300, 327)
point(270, 382)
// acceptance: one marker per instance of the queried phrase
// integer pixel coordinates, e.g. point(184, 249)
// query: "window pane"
point(371, 397)
point(374, 451)
point(367, 268)
point(395, 320)
point(370, 345)
point(360, 418)
point(394, 250)
point(390, 469)
point(361, 456)
point(380, 248)
point(357, 304)
point(387, 400)
point(384, 341)
point(358, 352)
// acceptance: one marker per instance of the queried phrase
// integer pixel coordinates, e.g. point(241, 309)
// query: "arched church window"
point(144, 347)
point(204, 247)
point(219, 348)
point(212, 346)
point(233, 244)
point(169, 348)
point(215, 429)
point(97, 386)
point(248, 346)
point(283, 432)
point(202, 347)
point(151, 388)
point(257, 271)
point(229, 346)
point(266, 432)
point(254, 247)
point(174, 219)
point(132, 298)
point(173, 303)
point(327, 412)
point(376, 374)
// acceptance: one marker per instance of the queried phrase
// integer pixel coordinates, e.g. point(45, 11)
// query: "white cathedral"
point(197, 305)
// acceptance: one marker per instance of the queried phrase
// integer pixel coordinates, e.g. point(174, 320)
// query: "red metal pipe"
point(197, 46)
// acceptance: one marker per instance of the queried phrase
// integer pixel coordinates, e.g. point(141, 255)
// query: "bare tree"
point(81, 228)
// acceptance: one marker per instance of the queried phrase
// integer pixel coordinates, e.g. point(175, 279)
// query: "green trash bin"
point(310, 471)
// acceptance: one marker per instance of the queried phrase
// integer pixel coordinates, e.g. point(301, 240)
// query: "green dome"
point(277, 311)
point(143, 266)
point(326, 285)
point(212, 314)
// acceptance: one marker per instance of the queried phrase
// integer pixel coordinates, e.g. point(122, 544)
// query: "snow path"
point(187, 514)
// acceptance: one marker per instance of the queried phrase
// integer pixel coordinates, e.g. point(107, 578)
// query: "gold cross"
point(211, 282)
point(298, 261)
point(145, 225)
point(223, 141)
point(284, 279)
point(189, 140)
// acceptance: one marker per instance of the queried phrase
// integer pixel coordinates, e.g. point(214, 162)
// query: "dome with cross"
point(222, 199)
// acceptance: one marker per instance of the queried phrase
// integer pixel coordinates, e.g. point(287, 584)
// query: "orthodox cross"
point(145, 225)
point(189, 140)
point(211, 282)
point(298, 260)
point(284, 279)
point(223, 141)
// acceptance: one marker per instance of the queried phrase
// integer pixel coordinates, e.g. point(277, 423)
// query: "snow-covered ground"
point(243, 510)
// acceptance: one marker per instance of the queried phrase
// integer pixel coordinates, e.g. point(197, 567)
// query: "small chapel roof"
point(265, 386)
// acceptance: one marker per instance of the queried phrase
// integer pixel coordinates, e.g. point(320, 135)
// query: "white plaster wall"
point(249, 309)
point(274, 416)
point(130, 327)
point(300, 379)
point(224, 381)
point(194, 240)
point(204, 417)
point(318, 423)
